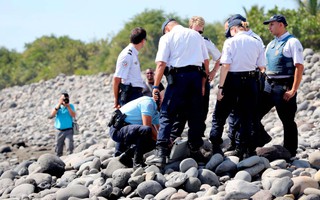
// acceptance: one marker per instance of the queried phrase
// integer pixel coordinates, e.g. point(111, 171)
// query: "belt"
point(136, 89)
point(188, 68)
point(280, 81)
point(65, 129)
point(244, 74)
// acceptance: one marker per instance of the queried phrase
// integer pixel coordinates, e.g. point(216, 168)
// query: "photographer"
point(63, 113)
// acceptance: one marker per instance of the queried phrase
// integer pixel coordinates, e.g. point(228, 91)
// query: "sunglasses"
point(149, 73)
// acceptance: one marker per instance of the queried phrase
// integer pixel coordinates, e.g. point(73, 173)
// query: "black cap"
point(237, 16)
point(277, 18)
point(64, 92)
point(165, 24)
point(232, 23)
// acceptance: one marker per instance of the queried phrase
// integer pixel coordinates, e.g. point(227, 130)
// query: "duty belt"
point(247, 74)
point(188, 68)
point(280, 81)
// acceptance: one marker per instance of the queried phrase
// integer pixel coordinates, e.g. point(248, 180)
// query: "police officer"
point(197, 23)
point(137, 134)
point(127, 80)
point(237, 88)
point(233, 119)
point(184, 51)
point(284, 73)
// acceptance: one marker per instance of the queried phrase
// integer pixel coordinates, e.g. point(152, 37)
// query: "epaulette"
point(206, 38)
point(130, 52)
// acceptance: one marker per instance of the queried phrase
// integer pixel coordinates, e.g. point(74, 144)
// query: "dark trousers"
point(273, 96)
point(138, 135)
point(234, 121)
point(241, 95)
point(180, 122)
point(132, 94)
point(183, 99)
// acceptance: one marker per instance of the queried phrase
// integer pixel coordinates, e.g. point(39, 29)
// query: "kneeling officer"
point(134, 127)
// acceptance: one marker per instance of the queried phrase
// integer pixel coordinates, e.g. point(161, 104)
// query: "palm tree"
point(312, 6)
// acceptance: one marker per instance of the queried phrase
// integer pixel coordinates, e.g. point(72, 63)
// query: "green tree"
point(312, 6)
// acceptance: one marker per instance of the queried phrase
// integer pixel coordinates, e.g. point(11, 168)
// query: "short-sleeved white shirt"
point(128, 67)
point(292, 49)
point(253, 34)
point(181, 47)
point(212, 49)
point(243, 53)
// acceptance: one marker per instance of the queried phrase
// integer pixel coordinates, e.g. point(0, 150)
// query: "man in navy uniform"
point(137, 133)
point(183, 51)
point(284, 72)
point(127, 80)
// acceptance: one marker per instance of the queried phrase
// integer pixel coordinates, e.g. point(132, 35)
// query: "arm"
point(213, 72)
point(56, 109)
point(71, 112)
point(296, 82)
point(223, 75)
point(147, 121)
point(116, 88)
point(158, 76)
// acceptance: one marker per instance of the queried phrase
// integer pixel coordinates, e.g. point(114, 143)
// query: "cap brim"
point(268, 21)
point(227, 33)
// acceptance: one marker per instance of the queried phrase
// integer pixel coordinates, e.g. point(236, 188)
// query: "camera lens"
point(66, 100)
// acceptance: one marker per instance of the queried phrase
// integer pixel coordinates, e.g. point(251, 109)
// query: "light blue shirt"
point(142, 106)
point(63, 118)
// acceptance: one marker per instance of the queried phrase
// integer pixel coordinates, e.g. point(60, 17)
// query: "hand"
point(212, 74)
point(288, 94)
point(155, 94)
point(219, 95)
point(116, 105)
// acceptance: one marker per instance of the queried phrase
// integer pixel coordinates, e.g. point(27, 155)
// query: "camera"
point(66, 98)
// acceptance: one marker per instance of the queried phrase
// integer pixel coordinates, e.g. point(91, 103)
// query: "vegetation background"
point(48, 56)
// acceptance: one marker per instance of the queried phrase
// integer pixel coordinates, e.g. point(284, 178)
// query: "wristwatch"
point(220, 87)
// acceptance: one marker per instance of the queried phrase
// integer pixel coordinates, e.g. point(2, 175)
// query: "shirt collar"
point(135, 51)
point(283, 36)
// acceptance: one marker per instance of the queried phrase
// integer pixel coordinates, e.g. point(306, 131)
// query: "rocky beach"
point(29, 168)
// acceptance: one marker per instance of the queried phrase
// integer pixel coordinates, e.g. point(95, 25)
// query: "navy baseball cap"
point(237, 16)
point(165, 24)
point(232, 23)
point(277, 18)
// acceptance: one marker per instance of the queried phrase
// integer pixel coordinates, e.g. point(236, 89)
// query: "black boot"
point(216, 149)
point(239, 152)
point(160, 158)
point(138, 160)
point(126, 157)
point(198, 156)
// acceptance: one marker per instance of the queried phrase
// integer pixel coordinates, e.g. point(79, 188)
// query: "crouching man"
point(134, 127)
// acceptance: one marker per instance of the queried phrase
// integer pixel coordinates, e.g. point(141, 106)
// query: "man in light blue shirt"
point(63, 113)
point(137, 134)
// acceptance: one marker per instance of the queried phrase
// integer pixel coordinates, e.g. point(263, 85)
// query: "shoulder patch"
point(206, 38)
point(130, 52)
point(124, 63)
